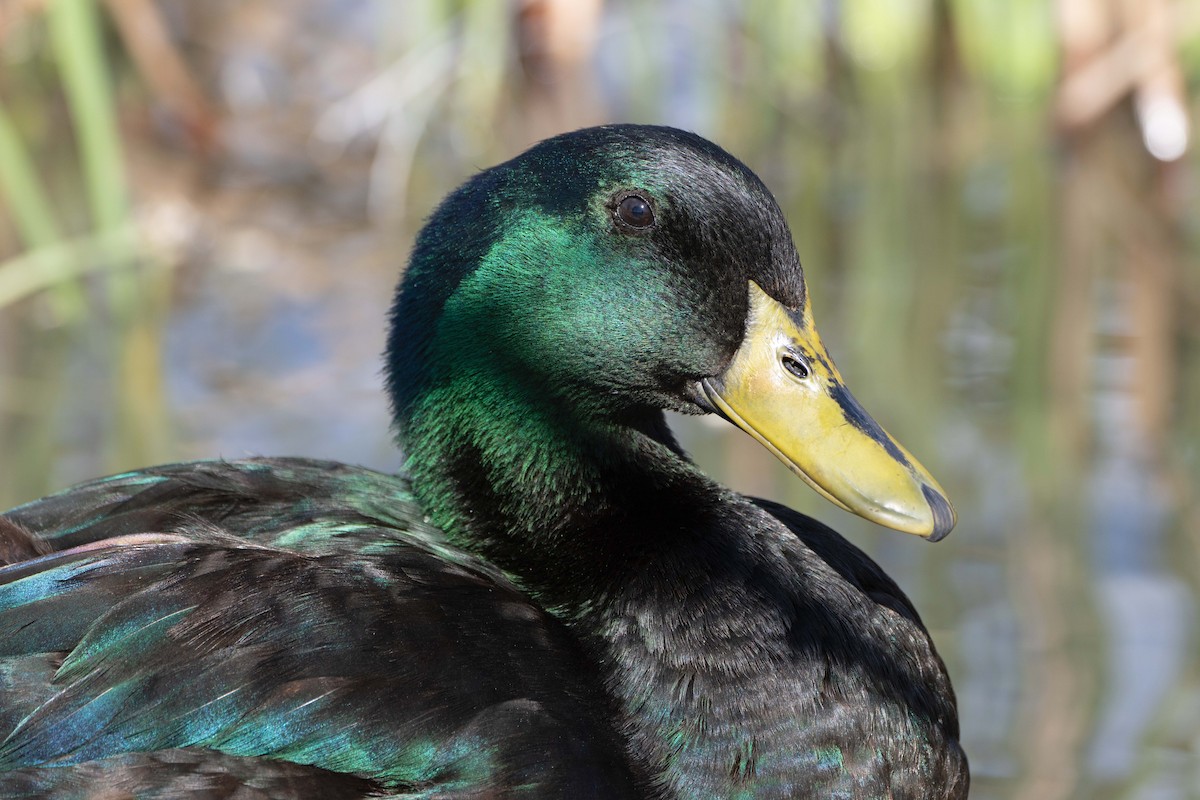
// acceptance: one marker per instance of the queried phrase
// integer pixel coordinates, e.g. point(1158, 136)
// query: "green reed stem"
point(75, 36)
point(33, 213)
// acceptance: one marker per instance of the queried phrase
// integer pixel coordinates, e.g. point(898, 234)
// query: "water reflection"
point(1147, 609)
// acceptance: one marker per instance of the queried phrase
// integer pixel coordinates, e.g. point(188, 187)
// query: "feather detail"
point(373, 656)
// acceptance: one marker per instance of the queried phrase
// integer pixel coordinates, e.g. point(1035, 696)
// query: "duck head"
point(617, 271)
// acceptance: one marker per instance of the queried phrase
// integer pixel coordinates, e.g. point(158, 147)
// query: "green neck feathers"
point(523, 441)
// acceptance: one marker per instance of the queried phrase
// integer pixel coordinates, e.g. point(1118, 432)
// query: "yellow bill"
point(784, 390)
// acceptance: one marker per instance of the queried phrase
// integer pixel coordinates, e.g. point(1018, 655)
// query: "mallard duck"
point(552, 600)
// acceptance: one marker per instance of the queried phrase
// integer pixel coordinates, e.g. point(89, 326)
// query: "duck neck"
point(571, 504)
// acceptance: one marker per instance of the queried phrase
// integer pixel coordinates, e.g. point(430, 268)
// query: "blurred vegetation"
point(203, 206)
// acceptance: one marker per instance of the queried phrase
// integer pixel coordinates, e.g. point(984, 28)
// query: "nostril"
point(795, 365)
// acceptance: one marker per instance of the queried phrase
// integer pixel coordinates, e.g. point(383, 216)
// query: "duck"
point(550, 599)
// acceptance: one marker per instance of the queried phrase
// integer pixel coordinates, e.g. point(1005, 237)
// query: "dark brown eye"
point(635, 212)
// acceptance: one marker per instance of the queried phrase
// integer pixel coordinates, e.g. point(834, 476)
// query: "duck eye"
point(795, 365)
point(635, 211)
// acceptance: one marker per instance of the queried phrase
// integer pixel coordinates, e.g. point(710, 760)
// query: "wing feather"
point(366, 646)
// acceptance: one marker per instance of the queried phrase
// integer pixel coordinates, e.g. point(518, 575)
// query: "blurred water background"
point(204, 208)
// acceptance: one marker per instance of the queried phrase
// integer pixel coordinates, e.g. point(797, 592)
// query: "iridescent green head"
point(621, 270)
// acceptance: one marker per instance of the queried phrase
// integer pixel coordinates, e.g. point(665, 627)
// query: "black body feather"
point(336, 631)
